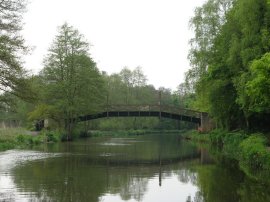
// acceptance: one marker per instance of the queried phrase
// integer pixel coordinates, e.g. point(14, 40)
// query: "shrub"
point(6, 145)
point(20, 139)
point(217, 137)
point(254, 155)
point(51, 136)
point(231, 144)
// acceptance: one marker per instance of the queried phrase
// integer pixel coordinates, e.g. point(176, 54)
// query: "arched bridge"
point(165, 111)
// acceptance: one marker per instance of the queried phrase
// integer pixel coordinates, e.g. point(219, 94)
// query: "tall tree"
point(73, 83)
point(12, 75)
point(206, 24)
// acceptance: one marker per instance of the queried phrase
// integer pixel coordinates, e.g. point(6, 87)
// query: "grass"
point(11, 138)
point(8, 137)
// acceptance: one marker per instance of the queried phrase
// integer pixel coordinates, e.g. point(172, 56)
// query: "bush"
point(217, 137)
point(6, 146)
point(254, 155)
point(249, 150)
point(20, 139)
point(29, 139)
point(231, 144)
point(51, 136)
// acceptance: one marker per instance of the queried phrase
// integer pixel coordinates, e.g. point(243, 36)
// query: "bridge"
point(161, 111)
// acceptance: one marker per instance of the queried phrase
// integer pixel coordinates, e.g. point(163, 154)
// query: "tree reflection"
point(185, 176)
point(135, 188)
point(85, 178)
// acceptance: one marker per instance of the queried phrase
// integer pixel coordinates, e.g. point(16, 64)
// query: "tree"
point(139, 79)
point(130, 88)
point(126, 76)
point(241, 40)
point(257, 86)
point(206, 24)
point(12, 75)
point(221, 53)
point(74, 85)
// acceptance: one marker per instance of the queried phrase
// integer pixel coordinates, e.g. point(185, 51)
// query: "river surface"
point(151, 168)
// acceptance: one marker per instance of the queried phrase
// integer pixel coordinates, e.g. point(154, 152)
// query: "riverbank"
point(124, 133)
point(11, 138)
point(251, 151)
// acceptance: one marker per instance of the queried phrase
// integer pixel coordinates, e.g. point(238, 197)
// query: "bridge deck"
point(146, 111)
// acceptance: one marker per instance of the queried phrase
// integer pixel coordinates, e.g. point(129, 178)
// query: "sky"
point(152, 34)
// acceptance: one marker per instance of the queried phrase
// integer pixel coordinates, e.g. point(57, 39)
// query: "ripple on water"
point(120, 142)
point(113, 144)
point(10, 159)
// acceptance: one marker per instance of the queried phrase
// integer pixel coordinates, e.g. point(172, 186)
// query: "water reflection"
point(8, 161)
point(172, 190)
point(149, 168)
point(98, 183)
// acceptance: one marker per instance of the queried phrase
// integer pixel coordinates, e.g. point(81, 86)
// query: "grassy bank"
point(11, 138)
point(251, 151)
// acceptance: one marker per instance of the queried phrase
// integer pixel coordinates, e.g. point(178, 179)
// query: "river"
point(150, 168)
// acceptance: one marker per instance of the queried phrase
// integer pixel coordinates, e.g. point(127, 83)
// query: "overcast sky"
point(153, 34)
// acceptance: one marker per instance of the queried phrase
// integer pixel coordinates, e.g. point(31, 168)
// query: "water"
point(152, 168)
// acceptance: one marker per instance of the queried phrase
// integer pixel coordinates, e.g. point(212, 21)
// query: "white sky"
point(153, 34)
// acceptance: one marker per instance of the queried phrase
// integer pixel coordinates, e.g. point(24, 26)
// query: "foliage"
point(73, 84)
point(231, 144)
point(16, 87)
point(258, 86)
point(230, 61)
point(249, 151)
point(11, 138)
point(254, 155)
point(195, 136)
point(129, 87)
point(206, 23)
point(52, 136)
point(12, 75)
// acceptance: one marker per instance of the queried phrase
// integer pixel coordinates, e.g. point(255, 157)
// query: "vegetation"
point(12, 76)
point(229, 58)
point(249, 151)
point(11, 138)
point(70, 85)
point(124, 133)
point(230, 78)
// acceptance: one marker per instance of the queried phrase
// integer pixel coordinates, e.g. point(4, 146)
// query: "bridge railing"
point(161, 108)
